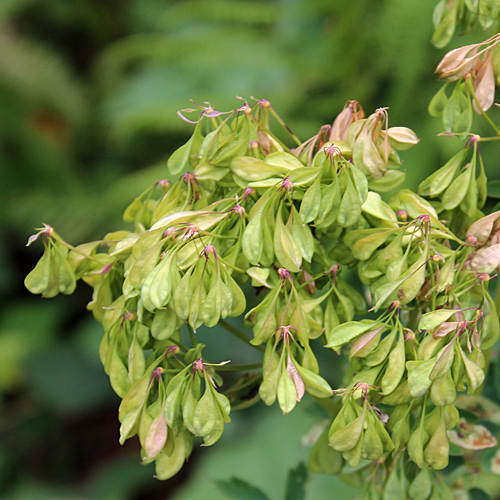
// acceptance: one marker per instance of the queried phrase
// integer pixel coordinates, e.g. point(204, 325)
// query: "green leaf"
point(237, 489)
point(441, 179)
point(446, 27)
point(296, 483)
point(457, 113)
point(457, 190)
point(478, 494)
point(438, 102)
point(494, 189)
point(179, 160)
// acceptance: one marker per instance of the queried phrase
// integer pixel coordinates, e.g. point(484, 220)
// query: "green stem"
point(234, 268)
point(239, 368)
point(267, 131)
point(433, 284)
point(240, 335)
point(191, 335)
point(486, 139)
point(285, 126)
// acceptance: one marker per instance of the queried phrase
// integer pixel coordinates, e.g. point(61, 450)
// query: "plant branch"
point(239, 368)
point(240, 335)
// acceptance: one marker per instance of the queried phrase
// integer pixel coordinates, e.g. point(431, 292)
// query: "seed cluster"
point(309, 229)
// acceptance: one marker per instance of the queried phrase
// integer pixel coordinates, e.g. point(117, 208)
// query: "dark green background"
point(89, 91)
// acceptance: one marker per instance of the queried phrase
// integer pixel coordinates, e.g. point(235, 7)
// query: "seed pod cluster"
point(310, 230)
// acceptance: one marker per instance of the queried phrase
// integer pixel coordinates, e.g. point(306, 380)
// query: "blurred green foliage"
point(88, 97)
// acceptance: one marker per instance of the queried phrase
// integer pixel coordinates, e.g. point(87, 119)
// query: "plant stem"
point(285, 126)
point(239, 368)
point(267, 131)
point(191, 335)
point(240, 335)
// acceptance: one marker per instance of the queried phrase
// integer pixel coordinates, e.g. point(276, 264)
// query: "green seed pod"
point(458, 189)
point(286, 392)
point(396, 367)
point(372, 447)
point(323, 459)
point(436, 183)
point(301, 234)
point(428, 347)
point(421, 486)
point(416, 446)
point(315, 385)
point(350, 206)
point(167, 466)
point(345, 332)
point(451, 416)
point(475, 375)
point(366, 343)
point(346, 438)
point(118, 374)
point(311, 203)
point(330, 205)
point(382, 351)
point(190, 400)
point(285, 247)
point(147, 261)
point(136, 362)
point(418, 376)
point(443, 390)
point(165, 324)
point(205, 414)
point(156, 437)
point(401, 429)
point(182, 296)
point(437, 450)
point(265, 318)
point(353, 456)
point(395, 485)
point(252, 241)
point(399, 396)
point(444, 361)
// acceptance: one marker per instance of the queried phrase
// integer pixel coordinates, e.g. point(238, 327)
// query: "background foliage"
point(88, 97)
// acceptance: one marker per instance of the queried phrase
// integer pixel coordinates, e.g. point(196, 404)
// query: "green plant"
point(308, 229)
